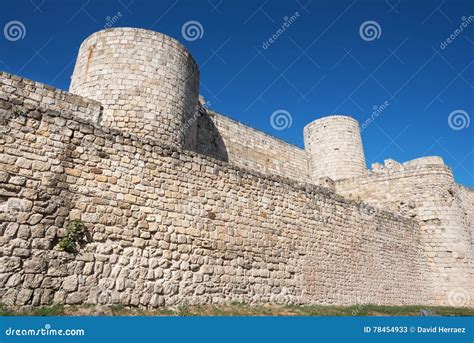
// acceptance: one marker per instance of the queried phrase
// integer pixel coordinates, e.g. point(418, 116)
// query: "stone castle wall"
point(243, 146)
point(467, 196)
point(184, 205)
point(424, 189)
point(169, 226)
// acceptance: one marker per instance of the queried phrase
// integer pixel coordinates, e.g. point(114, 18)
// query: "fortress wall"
point(32, 94)
point(467, 196)
point(147, 82)
point(427, 193)
point(249, 148)
point(169, 226)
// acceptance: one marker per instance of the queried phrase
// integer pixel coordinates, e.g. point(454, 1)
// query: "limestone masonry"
point(185, 206)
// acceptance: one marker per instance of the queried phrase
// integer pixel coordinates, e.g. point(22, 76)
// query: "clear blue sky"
point(320, 64)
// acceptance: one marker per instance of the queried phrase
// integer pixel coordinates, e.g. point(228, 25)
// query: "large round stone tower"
point(148, 83)
point(335, 148)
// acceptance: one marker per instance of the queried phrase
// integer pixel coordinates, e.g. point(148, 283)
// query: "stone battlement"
point(183, 205)
point(37, 94)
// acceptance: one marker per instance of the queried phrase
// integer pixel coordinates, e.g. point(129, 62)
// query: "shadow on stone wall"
point(209, 141)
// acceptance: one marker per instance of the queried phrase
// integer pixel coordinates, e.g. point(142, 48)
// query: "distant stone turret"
point(335, 148)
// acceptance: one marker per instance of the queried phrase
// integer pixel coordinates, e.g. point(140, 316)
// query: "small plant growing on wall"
point(17, 111)
point(76, 232)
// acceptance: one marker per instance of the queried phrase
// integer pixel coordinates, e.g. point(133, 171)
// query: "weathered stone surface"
point(70, 283)
point(425, 190)
point(35, 265)
point(19, 205)
point(75, 298)
point(35, 219)
point(40, 165)
point(18, 180)
point(161, 87)
point(23, 296)
point(165, 225)
point(334, 145)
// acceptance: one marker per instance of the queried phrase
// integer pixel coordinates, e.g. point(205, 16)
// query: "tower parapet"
point(147, 82)
point(335, 147)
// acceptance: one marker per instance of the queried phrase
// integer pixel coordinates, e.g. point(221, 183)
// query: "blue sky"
point(321, 64)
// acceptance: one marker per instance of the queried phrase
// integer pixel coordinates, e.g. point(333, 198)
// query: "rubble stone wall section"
point(467, 196)
point(169, 226)
point(428, 194)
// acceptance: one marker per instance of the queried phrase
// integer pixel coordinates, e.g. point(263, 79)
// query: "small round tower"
point(335, 148)
point(148, 83)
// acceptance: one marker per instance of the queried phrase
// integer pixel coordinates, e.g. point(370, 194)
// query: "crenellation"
point(185, 206)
